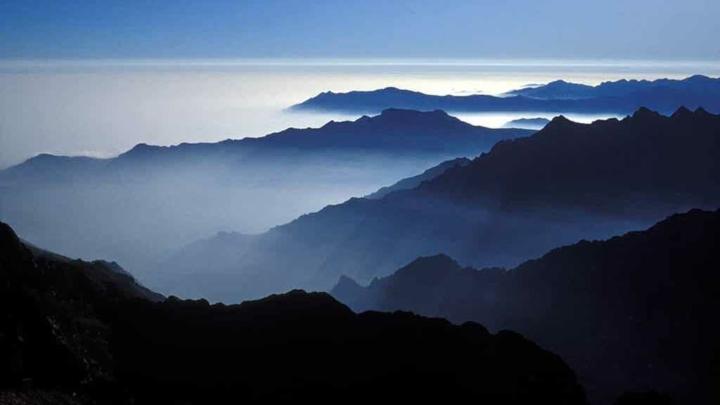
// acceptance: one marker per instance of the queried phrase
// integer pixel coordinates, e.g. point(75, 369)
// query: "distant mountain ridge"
point(567, 182)
point(558, 89)
point(172, 195)
point(632, 312)
point(527, 123)
point(696, 84)
point(392, 131)
point(619, 97)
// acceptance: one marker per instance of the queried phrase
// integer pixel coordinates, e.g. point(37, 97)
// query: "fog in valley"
point(282, 201)
point(144, 215)
point(138, 217)
point(103, 108)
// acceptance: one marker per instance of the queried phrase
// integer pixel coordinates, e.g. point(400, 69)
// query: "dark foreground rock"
point(77, 332)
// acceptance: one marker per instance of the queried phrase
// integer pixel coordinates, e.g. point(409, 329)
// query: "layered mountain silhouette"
point(619, 97)
point(151, 199)
point(527, 123)
point(699, 85)
point(393, 131)
point(75, 333)
point(634, 312)
point(412, 182)
point(567, 182)
point(560, 89)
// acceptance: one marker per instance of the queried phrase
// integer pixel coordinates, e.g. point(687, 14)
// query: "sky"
point(578, 29)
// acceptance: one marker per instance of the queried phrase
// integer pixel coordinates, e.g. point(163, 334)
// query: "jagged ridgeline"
point(567, 182)
point(618, 97)
point(135, 207)
point(634, 312)
point(75, 332)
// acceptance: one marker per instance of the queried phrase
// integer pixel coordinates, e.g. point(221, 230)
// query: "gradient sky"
point(636, 29)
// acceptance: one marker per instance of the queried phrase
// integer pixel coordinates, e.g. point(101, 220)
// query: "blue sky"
point(630, 29)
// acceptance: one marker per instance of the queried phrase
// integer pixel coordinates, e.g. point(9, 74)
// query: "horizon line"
point(351, 61)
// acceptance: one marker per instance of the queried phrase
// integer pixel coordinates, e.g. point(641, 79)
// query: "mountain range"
point(414, 181)
point(76, 332)
point(566, 182)
point(633, 312)
point(618, 97)
point(170, 196)
point(559, 89)
point(393, 131)
point(527, 123)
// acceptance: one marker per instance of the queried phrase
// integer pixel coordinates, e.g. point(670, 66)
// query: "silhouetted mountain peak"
point(429, 264)
point(701, 112)
point(48, 160)
point(143, 150)
point(407, 113)
point(644, 113)
point(563, 148)
point(346, 287)
point(557, 89)
point(438, 260)
point(527, 123)
point(560, 119)
point(297, 295)
point(682, 112)
point(400, 119)
point(392, 89)
point(559, 122)
point(44, 156)
point(345, 281)
point(26, 260)
point(10, 244)
point(399, 116)
point(695, 219)
point(299, 301)
point(698, 78)
point(7, 235)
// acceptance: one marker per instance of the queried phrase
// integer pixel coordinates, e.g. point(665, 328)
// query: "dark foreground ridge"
point(74, 333)
point(635, 312)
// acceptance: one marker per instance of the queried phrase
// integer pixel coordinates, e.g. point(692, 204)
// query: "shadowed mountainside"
point(74, 333)
point(171, 196)
point(567, 182)
point(412, 182)
point(620, 97)
point(635, 312)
